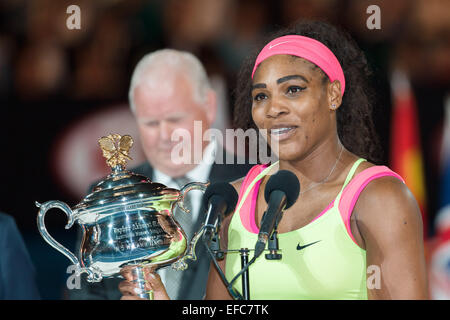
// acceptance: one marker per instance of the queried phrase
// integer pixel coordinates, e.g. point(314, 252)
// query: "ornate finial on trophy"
point(115, 149)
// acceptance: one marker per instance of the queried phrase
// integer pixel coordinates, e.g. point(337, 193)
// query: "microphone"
point(220, 198)
point(281, 192)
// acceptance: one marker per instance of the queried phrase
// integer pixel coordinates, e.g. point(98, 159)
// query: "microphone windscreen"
point(286, 182)
point(224, 190)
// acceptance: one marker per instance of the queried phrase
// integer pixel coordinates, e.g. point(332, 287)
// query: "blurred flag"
point(406, 154)
point(445, 158)
point(439, 266)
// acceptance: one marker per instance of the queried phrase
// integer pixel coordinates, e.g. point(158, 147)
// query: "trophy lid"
point(122, 187)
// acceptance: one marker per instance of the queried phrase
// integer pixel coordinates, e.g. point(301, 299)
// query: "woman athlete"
point(355, 231)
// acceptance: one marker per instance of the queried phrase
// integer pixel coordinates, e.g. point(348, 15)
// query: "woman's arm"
point(390, 224)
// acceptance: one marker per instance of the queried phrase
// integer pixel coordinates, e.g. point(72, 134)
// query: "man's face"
point(162, 108)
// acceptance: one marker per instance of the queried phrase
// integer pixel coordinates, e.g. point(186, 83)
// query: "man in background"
point(17, 281)
point(170, 91)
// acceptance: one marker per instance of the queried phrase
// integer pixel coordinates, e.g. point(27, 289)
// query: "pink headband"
point(306, 48)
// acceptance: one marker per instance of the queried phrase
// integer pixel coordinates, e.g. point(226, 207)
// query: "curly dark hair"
point(354, 117)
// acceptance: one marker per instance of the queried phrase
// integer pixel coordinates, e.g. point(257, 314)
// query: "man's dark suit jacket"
point(195, 276)
point(17, 273)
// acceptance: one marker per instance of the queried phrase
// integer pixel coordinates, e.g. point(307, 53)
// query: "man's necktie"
point(174, 277)
point(185, 219)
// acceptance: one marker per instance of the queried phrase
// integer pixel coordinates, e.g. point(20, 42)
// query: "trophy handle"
point(190, 253)
point(185, 189)
point(181, 264)
point(93, 275)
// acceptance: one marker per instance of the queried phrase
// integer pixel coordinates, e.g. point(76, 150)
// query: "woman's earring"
point(333, 107)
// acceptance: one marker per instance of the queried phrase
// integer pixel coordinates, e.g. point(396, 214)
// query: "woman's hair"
point(354, 117)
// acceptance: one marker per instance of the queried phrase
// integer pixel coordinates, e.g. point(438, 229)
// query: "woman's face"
point(292, 101)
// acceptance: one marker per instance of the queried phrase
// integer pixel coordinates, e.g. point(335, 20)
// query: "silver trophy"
point(127, 221)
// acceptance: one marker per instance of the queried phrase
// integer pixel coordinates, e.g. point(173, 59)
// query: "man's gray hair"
point(170, 62)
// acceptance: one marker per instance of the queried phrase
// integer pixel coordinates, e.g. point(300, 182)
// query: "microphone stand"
point(273, 255)
point(218, 254)
point(273, 245)
point(245, 276)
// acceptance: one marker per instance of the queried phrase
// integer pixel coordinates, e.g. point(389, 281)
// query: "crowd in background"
point(51, 77)
point(42, 58)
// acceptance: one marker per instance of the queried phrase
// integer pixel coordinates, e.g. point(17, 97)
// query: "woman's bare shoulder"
point(387, 188)
point(387, 200)
point(237, 184)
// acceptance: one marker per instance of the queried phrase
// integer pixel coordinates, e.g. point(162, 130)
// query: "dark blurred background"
point(62, 89)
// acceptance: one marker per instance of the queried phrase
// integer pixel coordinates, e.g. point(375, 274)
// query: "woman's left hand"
point(131, 291)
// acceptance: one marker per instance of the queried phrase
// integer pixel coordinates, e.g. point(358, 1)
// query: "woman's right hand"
point(130, 289)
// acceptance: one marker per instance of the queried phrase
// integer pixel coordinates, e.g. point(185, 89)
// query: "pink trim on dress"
point(251, 214)
point(248, 219)
point(352, 191)
point(245, 183)
point(247, 211)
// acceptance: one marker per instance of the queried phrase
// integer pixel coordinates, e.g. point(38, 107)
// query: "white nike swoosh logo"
point(274, 45)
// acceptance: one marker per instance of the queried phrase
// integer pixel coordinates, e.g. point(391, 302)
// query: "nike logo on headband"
point(276, 44)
